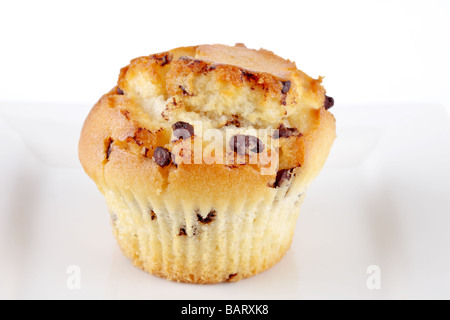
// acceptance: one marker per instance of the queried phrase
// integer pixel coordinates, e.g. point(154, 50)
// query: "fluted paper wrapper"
point(181, 242)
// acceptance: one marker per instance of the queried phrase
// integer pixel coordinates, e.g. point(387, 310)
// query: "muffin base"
point(221, 245)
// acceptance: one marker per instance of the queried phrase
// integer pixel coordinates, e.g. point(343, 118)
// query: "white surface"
point(383, 199)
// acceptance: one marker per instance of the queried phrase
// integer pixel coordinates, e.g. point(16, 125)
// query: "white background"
point(368, 51)
point(383, 197)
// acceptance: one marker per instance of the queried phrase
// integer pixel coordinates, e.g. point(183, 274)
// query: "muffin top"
point(209, 119)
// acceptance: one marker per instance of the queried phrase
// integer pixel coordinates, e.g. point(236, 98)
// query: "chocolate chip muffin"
point(204, 155)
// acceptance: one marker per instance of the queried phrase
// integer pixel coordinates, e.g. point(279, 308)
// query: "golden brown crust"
point(187, 68)
point(132, 144)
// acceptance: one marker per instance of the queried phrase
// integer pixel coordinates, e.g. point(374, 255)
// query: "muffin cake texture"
point(204, 155)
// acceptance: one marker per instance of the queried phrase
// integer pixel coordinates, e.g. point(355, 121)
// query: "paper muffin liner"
point(182, 242)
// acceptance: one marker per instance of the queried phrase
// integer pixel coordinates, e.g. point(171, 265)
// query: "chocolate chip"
point(329, 102)
point(286, 86)
point(108, 143)
point(145, 152)
point(153, 215)
point(108, 152)
point(182, 130)
point(282, 176)
point(119, 91)
point(244, 144)
point(184, 91)
point(249, 76)
point(162, 59)
point(285, 132)
point(234, 121)
point(182, 232)
point(210, 217)
point(165, 60)
point(231, 276)
point(162, 156)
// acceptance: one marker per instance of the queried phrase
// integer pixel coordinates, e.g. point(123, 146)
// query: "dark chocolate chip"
point(210, 217)
point(108, 144)
point(285, 132)
point(249, 76)
point(244, 144)
point(234, 121)
point(182, 130)
point(286, 87)
point(162, 59)
point(283, 175)
point(184, 91)
point(329, 102)
point(153, 215)
point(108, 152)
point(231, 276)
point(165, 60)
point(162, 156)
point(119, 91)
point(145, 152)
point(182, 232)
